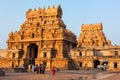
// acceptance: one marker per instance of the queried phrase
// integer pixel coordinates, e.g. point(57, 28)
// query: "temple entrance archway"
point(115, 65)
point(96, 63)
point(32, 53)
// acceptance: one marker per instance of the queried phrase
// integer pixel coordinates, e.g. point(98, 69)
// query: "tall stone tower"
point(92, 36)
point(94, 50)
point(42, 38)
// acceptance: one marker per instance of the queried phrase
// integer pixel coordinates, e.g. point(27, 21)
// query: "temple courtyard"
point(64, 75)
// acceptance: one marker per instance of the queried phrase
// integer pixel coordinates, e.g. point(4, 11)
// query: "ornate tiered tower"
point(42, 38)
point(92, 36)
point(94, 50)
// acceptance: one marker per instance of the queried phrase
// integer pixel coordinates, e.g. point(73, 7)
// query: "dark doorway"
point(45, 63)
point(32, 53)
point(105, 63)
point(115, 65)
point(96, 63)
point(80, 64)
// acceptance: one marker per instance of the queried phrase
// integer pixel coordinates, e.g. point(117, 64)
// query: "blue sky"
point(75, 13)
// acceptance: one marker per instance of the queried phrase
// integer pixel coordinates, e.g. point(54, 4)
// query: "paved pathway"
point(113, 76)
point(63, 75)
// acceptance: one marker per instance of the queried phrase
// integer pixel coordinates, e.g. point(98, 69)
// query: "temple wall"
point(5, 63)
point(3, 53)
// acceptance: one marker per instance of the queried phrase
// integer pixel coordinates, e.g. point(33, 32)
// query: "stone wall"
point(3, 53)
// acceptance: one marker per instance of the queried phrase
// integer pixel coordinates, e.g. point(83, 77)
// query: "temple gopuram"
point(42, 38)
point(94, 50)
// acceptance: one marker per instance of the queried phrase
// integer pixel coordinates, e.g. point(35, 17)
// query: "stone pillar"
point(21, 62)
point(39, 46)
point(25, 50)
point(119, 65)
point(110, 65)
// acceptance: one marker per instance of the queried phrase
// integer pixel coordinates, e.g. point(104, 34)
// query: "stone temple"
point(44, 38)
point(94, 50)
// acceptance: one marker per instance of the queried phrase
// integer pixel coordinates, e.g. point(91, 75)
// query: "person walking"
point(23, 68)
point(37, 69)
point(36, 66)
point(40, 71)
point(43, 68)
point(33, 68)
point(29, 68)
point(53, 70)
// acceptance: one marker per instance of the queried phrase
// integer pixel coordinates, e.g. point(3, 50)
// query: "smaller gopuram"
point(42, 38)
point(92, 36)
point(94, 50)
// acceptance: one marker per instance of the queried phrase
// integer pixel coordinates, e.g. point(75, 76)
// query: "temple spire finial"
point(34, 9)
point(48, 7)
point(59, 5)
point(39, 8)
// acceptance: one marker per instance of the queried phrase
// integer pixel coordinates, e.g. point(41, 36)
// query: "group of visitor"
point(104, 67)
point(37, 68)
